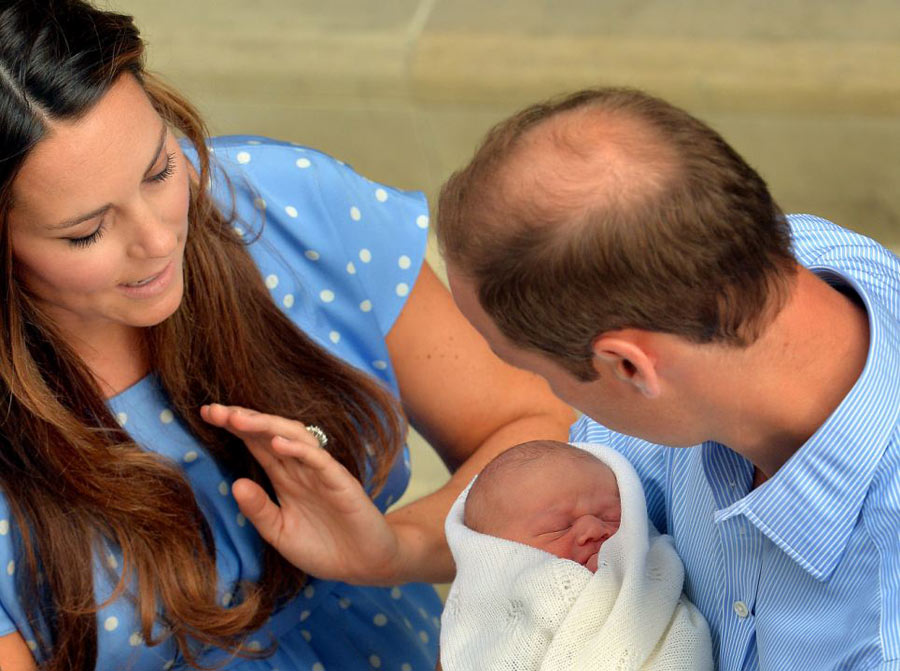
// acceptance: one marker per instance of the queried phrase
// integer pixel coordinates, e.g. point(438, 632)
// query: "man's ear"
point(623, 355)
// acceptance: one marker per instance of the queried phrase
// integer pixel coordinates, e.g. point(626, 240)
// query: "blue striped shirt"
point(804, 571)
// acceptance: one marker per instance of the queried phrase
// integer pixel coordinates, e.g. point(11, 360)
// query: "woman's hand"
point(323, 522)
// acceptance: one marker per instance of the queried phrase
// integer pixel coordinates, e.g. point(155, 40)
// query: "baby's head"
point(548, 495)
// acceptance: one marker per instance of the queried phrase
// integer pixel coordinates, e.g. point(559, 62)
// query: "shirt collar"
point(811, 505)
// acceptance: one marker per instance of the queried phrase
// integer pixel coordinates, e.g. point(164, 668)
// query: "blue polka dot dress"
point(339, 254)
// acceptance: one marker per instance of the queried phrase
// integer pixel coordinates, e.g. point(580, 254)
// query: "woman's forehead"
point(78, 160)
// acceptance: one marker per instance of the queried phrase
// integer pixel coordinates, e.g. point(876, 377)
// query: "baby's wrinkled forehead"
point(517, 474)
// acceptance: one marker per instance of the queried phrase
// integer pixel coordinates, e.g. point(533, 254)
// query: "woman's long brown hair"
point(63, 456)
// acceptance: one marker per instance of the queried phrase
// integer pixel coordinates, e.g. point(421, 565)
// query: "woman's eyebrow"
point(159, 147)
point(69, 223)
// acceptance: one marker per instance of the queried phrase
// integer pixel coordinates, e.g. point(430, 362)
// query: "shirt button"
point(740, 609)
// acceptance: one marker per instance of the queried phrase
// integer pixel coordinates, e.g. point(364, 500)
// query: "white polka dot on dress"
point(166, 416)
point(32, 645)
point(365, 255)
point(112, 562)
point(111, 623)
point(334, 337)
point(327, 295)
point(380, 619)
point(344, 603)
point(381, 195)
point(396, 593)
point(272, 281)
point(355, 214)
point(351, 268)
point(366, 306)
point(122, 418)
point(259, 204)
point(191, 457)
point(309, 591)
point(405, 667)
point(375, 661)
point(288, 300)
point(136, 640)
point(303, 163)
point(422, 221)
point(304, 615)
point(291, 211)
point(312, 254)
point(404, 262)
point(240, 519)
point(318, 667)
point(402, 289)
point(243, 157)
point(423, 636)
point(379, 364)
point(4, 527)
point(306, 635)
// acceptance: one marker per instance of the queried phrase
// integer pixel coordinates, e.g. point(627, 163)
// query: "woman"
point(133, 296)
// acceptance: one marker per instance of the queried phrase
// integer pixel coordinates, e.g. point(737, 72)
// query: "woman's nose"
point(152, 236)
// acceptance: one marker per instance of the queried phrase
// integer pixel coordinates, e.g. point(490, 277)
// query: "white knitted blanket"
point(515, 608)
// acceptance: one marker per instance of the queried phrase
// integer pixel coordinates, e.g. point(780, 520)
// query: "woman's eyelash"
point(88, 239)
point(161, 176)
point(167, 171)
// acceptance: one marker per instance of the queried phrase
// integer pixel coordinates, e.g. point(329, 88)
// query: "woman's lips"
point(152, 285)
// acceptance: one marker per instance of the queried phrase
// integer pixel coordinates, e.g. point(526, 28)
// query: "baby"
point(549, 495)
point(559, 568)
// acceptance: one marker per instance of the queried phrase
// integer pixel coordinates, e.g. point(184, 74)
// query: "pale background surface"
point(807, 90)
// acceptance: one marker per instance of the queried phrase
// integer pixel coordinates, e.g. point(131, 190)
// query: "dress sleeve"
point(362, 241)
point(10, 607)
point(382, 231)
point(338, 252)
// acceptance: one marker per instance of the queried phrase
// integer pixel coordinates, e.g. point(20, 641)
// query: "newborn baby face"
point(567, 506)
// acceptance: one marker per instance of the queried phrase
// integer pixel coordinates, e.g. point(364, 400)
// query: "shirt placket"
point(729, 477)
point(742, 550)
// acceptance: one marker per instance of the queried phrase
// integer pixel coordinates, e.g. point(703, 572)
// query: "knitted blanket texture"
point(516, 608)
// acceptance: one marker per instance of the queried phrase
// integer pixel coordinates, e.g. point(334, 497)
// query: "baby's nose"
point(589, 528)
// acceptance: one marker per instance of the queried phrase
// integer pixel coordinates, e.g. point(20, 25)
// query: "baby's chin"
point(591, 563)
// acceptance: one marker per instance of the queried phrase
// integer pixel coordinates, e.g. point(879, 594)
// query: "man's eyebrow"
point(69, 223)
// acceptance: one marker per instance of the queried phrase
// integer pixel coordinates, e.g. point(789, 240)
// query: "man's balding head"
point(612, 209)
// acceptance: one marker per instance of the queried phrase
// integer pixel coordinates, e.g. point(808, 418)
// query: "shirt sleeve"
point(649, 461)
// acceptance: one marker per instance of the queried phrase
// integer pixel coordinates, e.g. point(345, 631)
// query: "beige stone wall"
point(807, 90)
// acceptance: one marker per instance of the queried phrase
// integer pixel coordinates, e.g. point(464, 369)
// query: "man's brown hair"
point(609, 209)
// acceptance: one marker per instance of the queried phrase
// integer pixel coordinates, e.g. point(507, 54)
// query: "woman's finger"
point(299, 456)
point(243, 422)
point(257, 507)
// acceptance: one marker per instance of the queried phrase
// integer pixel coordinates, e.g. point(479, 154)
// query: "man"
point(618, 247)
